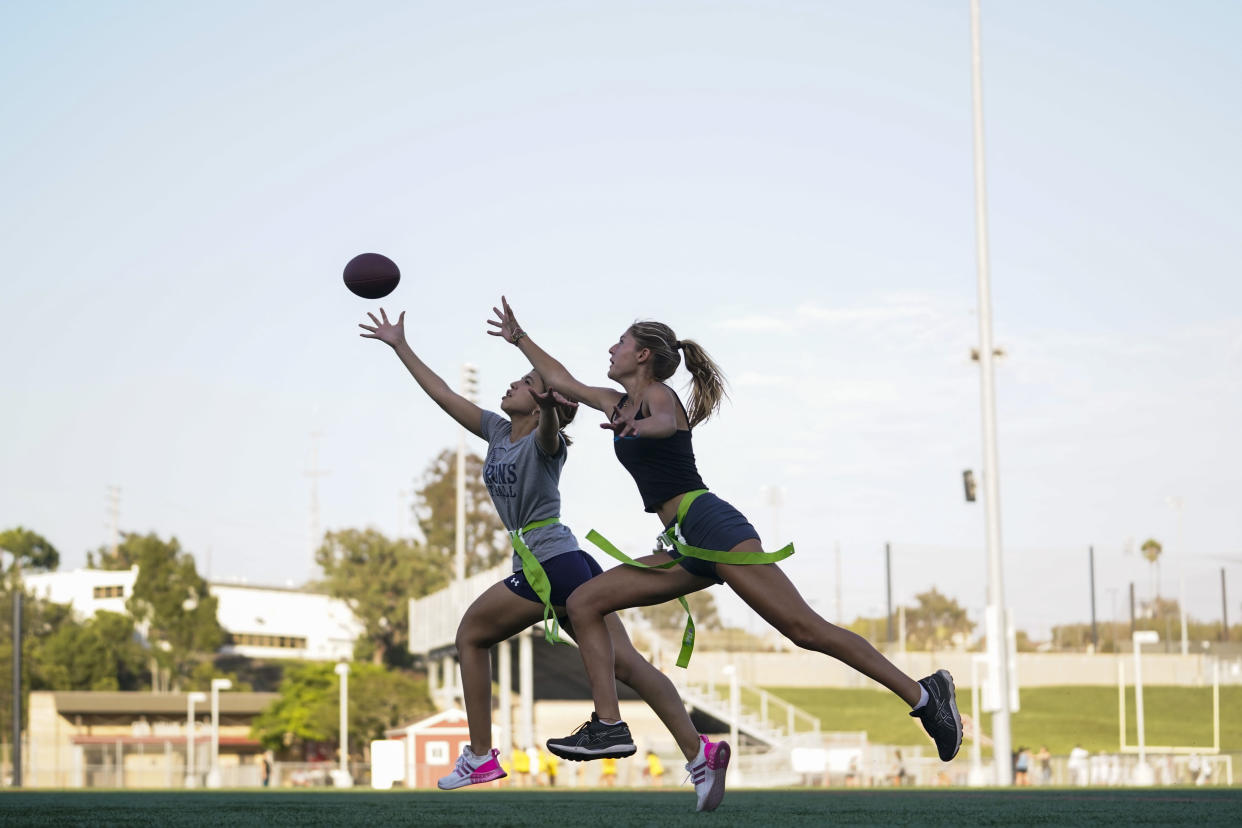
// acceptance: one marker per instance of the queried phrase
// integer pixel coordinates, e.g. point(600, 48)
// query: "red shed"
point(432, 746)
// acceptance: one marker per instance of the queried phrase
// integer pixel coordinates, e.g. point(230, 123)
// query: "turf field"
point(488, 809)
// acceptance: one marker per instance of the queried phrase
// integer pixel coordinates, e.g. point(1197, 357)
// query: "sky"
point(790, 184)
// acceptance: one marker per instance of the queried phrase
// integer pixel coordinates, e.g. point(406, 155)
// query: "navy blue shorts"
point(712, 523)
point(566, 572)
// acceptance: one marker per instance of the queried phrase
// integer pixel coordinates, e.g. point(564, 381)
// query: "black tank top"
point(662, 467)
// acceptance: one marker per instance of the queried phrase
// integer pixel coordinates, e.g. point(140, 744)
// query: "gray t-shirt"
point(524, 484)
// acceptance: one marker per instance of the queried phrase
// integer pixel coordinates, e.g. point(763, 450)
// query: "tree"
point(487, 542)
point(172, 606)
point(101, 653)
point(308, 709)
point(670, 615)
point(376, 577)
point(30, 550)
point(935, 621)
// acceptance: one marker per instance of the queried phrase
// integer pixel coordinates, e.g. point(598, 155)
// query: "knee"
point(806, 635)
point(581, 604)
point(470, 636)
point(622, 668)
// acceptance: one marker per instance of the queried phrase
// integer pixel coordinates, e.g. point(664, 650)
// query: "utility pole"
point(991, 484)
point(469, 390)
point(314, 473)
point(114, 520)
point(1176, 502)
point(836, 547)
point(888, 582)
point(1095, 634)
point(17, 687)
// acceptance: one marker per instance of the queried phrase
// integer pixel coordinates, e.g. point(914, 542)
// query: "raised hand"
point(622, 423)
point(506, 323)
point(392, 333)
point(552, 399)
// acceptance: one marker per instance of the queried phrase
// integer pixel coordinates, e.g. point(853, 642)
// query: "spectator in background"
point(1045, 765)
point(521, 767)
point(1021, 765)
point(1078, 765)
point(654, 770)
point(608, 772)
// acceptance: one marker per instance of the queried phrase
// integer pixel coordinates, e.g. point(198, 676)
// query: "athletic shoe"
point(466, 773)
point(594, 740)
point(708, 774)
point(939, 716)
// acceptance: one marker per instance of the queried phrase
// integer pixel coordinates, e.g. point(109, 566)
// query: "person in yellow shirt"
point(608, 772)
point(548, 765)
point(654, 770)
point(521, 767)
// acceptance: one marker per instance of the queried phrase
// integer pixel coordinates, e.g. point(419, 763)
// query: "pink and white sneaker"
point(707, 771)
point(473, 770)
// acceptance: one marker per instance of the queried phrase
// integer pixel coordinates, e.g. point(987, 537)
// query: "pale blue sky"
point(788, 183)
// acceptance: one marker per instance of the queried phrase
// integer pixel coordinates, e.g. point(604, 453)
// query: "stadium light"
point(987, 352)
point(190, 700)
point(213, 776)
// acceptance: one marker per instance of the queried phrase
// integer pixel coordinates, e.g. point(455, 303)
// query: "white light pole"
point(190, 724)
point(213, 775)
point(1142, 772)
point(469, 387)
point(991, 485)
point(343, 779)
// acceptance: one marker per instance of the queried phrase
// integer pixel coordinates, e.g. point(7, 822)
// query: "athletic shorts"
point(566, 572)
point(711, 523)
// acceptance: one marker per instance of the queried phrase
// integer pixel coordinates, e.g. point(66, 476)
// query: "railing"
point(434, 618)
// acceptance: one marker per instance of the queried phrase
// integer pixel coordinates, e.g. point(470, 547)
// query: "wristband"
point(521, 333)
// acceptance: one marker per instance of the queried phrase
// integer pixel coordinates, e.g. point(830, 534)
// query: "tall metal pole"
point(1095, 633)
point(17, 686)
point(888, 584)
point(1224, 608)
point(991, 485)
point(344, 780)
point(468, 385)
point(1176, 503)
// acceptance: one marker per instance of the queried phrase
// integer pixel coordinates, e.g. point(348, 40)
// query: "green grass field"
point(666, 809)
point(1058, 717)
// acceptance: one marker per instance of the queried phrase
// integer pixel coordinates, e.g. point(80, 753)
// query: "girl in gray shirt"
point(526, 451)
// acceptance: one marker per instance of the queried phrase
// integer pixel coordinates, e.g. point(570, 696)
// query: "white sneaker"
point(465, 773)
point(708, 774)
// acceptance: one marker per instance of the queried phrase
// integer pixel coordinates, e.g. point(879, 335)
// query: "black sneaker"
point(594, 740)
point(939, 716)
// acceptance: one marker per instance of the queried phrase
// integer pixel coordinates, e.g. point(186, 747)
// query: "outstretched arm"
point(455, 405)
point(553, 372)
point(548, 434)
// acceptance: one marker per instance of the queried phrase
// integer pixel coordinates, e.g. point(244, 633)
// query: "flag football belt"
point(537, 577)
point(672, 539)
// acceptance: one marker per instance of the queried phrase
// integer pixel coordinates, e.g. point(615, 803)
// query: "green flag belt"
point(672, 539)
point(536, 577)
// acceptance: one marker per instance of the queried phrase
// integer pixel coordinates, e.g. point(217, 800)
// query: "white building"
point(261, 622)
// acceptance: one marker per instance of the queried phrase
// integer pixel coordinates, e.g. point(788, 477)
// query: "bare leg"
point(620, 588)
point(769, 592)
point(495, 616)
point(654, 687)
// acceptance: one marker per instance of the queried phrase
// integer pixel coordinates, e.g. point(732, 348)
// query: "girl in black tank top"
point(534, 412)
point(647, 354)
